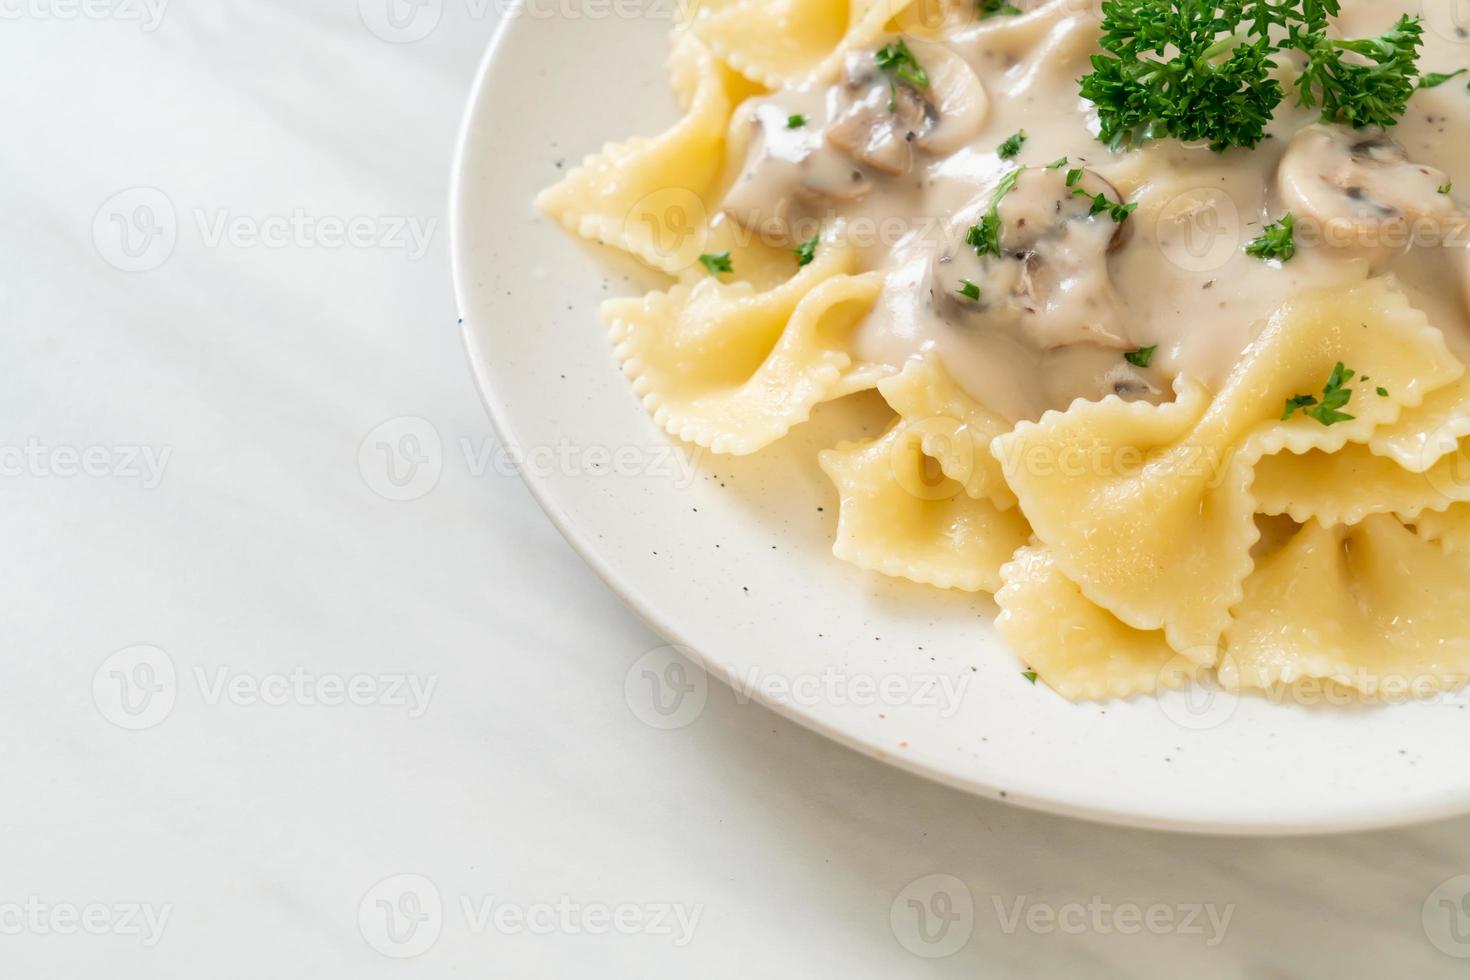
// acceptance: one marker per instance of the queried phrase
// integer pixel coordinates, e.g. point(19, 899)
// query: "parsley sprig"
point(898, 59)
point(984, 238)
point(1276, 241)
point(1335, 396)
point(1202, 71)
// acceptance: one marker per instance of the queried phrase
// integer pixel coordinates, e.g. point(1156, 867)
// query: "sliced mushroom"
point(1051, 281)
point(1359, 193)
point(788, 171)
point(885, 117)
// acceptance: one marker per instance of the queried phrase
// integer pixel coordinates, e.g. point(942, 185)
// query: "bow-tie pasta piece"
point(777, 42)
point(1078, 649)
point(955, 429)
point(901, 516)
point(1450, 528)
point(1371, 607)
point(655, 197)
point(733, 369)
point(1416, 464)
point(1147, 508)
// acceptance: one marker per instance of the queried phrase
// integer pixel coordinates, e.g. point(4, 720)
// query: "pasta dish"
point(1170, 302)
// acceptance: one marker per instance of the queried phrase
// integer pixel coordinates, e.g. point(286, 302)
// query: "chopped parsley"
point(989, 8)
point(795, 121)
point(1435, 79)
point(1276, 240)
point(1100, 203)
point(1073, 176)
point(1335, 395)
point(807, 250)
point(1141, 357)
point(898, 59)
point(984, 238)
point(968, 289)
point(1011, 146)
point(1201, 71)
point(1445, 188)
point(1382, 392)
point(717, 263)
point(1058, 164)
point(1030, 675)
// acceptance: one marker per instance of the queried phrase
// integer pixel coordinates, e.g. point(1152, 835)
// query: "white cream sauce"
point(1174, 274)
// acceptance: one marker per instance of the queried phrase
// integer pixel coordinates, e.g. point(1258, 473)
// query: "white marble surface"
point(256, 822)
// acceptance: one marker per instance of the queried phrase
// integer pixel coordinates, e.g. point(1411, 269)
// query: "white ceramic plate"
point(734, 562)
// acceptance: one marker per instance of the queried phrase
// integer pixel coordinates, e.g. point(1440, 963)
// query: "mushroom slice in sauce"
point(787, 171)
point(884, 118)
point(1051, 281)
point(1359, 193)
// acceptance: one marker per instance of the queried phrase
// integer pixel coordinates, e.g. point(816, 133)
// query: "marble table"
point(273, 705)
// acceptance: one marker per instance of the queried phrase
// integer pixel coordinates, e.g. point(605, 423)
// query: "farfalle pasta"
point(1116, 342)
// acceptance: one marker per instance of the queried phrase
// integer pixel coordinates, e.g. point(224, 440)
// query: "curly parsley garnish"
point(1011, 146)
point(1276, 241)
point(1201, 71)
point(898, 59)
point(1141, 357)
point(984, 238)
point(717, 263)
point(807, 250)
point(1335, 395)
